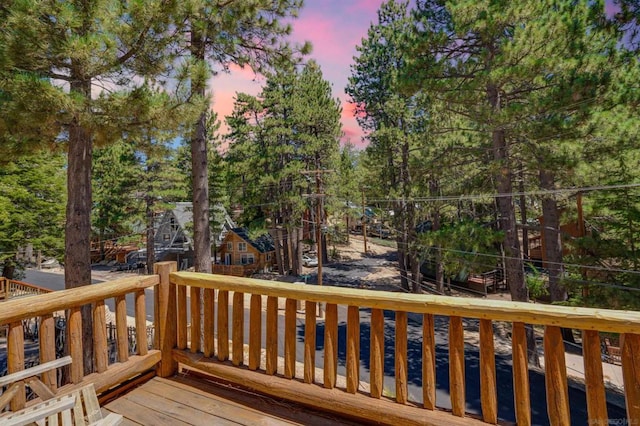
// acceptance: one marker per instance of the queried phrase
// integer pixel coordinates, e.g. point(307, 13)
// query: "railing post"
point(165, 317)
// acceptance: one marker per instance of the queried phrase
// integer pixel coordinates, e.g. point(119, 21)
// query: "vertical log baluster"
point(237, 335)
point(15, 360)
point(456, 366)
point(488, 388)
point(593, 377)
point(310, 342)
point(74, 336)
point(47, 346)
point(209, 322)
point(223, 325)
point(330, 346)
point(121, 329)
point(100, 345)
point(255, 331)
point(353, 349)
point(555, 376)
point(196, 322)
point(428, 362)
point(141, 322)
point(401, 357)
point(631, 375)
point(521, 394)
point(272, 335)
point(290, 338)
point(182, 317)
point(377, 352)
point(165, 318)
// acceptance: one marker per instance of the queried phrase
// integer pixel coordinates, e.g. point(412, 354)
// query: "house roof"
point(183, 212)
point(264, 243)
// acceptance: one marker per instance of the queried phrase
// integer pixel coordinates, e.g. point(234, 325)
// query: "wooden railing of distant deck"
point(44, 306)
point(13, 288)
point(214, 359)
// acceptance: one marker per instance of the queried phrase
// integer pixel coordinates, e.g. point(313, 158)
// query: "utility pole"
point(319, 196)
point(364, 222)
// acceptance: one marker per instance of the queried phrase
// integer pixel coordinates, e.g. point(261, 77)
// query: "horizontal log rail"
point(69, 304)
point(263, 372)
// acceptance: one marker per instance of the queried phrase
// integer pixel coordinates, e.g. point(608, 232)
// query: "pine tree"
point(32, 199)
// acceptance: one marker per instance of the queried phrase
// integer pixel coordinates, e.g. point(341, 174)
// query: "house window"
point(174, 225)
point(229, 246)
point(166, 237)
point(247, 259)
point(242, 246)
point(268, 257)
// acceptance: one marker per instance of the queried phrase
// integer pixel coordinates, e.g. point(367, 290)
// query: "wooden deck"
point(183, 400)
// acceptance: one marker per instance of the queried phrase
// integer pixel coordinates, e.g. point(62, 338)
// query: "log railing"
point(69, 303)
point(11, 289)
point(230, 352)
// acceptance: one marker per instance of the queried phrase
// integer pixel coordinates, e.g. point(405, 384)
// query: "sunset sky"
point(334, 27)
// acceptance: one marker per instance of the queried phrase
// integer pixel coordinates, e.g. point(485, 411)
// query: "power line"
point(510, 194)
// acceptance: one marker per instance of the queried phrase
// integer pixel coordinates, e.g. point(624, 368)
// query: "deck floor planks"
point(184, 400)
point(182, 394)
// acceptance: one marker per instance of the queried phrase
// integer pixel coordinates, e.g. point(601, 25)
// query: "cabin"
point(236, 367)
point(536, 240)
point(242, 256)
point(173, 232)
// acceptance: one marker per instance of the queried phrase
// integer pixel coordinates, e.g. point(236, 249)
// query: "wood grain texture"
point(74, 334)
point(353, 349)
point(631, 375)
point(121, 329)
point(428, 362)
point(238, 329)
point(331, 346)
point(47, 347)
point(100, 346)
point(401, 357)
point(15, 360)
point(456, 366)
point(196, 319)
point(309, 341)
point(223, 325)
point(488, 387)
point(29, 307)
point(594, 381)
point(208, 326)
point(255, 332)
point(272, 335)
point(182, 322)
point(521, 393)
point(376, 361)
point(555, 370)
point(141, 323)
point(165, 317)
point(290, 338)
point(496, 310)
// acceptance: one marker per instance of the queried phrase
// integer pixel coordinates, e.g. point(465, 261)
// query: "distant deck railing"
point(10, 289)
point(351, 402)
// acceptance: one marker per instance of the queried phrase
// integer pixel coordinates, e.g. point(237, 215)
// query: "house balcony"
point(221, 340)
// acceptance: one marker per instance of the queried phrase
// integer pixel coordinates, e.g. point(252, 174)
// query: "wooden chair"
point(76, 408)
point(614, 354)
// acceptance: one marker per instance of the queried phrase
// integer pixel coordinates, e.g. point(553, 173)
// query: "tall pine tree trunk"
point(552, 243)
point(77, 262)
point(199, 172)
point(514, 266)
point(151, 234)
point(523, 214)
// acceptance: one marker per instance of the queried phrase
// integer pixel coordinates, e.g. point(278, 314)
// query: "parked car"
point(309, 261)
